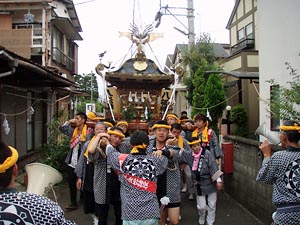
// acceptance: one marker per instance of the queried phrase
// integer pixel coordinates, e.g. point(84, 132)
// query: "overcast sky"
point(102, 20)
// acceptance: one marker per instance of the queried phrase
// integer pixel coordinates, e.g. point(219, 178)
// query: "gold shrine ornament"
point(99, 68)
point(140, 65)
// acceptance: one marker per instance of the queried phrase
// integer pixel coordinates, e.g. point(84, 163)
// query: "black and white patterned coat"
point(138, 203)
point(283, 171)
point(169, 183)
point(106, 184)
point(30, 209)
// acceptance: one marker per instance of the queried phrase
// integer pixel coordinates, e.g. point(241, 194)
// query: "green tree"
point(198, 93)
point(54, 152)
point(199, 59)
point(214, 98)
point(81, 105)
point(240, 119)
point(88, 83)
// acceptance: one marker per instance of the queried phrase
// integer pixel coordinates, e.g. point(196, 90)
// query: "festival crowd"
point(141, 174)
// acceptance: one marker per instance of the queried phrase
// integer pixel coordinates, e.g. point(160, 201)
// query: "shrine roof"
point(144, 73)
point(128, 68)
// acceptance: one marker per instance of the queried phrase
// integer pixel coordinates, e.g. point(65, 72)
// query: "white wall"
point(279, 38)
point(61, 9)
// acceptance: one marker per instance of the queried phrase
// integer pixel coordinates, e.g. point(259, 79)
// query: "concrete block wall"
point(242, 185)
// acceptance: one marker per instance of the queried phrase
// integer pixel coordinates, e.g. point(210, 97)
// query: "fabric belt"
point(204, 181)
point(287, 208)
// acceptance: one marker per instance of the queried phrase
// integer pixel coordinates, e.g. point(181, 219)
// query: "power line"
point(80, 3)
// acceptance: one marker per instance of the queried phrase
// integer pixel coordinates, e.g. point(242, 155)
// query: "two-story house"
point(261, 40)
point(241, 67)
point(181, 104)
point(38, 57)
point(239, 61)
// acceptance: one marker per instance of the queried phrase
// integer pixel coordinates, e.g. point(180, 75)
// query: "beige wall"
point(248, 6)
point(5, 22)
point(233, 64)
point(251, 102)
point(245, 22)
point(252, 60)
point(18, 41)
point(240, 10)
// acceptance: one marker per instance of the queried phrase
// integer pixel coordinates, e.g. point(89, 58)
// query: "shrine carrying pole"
point(100, 71)
point(171, 98)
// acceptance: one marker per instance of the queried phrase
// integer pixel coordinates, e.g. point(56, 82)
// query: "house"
point(276, 37)
point(279, 43)
point(239, 61)
point(241, 66)
point(38, 57)
point(261, 44)
point(181, 104)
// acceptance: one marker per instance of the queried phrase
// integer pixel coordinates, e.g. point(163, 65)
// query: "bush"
point(240, 119)
point(55, 151)
point(54, 154)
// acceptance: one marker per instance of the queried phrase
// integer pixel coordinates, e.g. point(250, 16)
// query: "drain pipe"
point(13, 64)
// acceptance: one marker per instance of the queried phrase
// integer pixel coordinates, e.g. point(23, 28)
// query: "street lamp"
point(228, 109)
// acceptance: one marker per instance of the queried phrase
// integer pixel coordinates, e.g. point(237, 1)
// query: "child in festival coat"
point(206, 175)
point(138, 173)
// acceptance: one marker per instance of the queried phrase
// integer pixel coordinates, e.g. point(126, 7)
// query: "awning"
point(237, 74)
point(67, 27)
point(18, 71)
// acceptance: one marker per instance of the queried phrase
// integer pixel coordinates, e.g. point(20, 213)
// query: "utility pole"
point(191, 37)
point(191, 17)
point(166, 10)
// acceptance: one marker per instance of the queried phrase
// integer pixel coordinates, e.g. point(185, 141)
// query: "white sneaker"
point(191, 196)
point(95, 219)
point(183, 188)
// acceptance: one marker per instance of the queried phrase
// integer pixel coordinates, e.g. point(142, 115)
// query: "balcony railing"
point(36, 33)
point(59, 57)
point(244, 44)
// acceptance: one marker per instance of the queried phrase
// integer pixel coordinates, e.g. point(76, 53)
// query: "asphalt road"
point(229, 212)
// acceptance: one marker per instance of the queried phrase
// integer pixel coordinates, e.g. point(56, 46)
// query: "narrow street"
point(229, 212)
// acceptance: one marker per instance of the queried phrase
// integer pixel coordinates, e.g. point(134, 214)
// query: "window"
point(57, 39)
point(274, 109)
point(241, 35)
point(58, 45)
point(249, 31)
